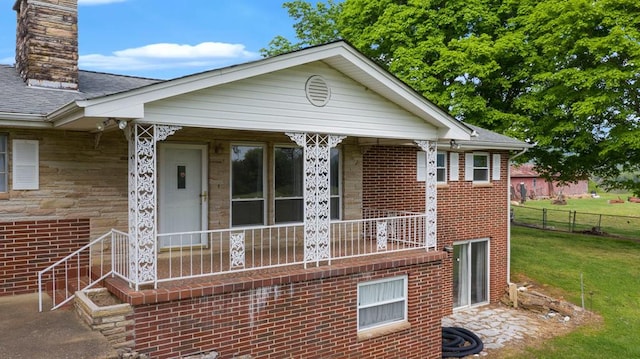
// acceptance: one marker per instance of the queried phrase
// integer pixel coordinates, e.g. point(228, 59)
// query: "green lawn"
point(611, 271)
point(583, 214)
point(592, 205)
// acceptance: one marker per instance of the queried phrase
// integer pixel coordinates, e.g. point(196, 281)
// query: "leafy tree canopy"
point(561, 74)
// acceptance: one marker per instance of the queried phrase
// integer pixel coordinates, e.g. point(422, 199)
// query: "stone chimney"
point(47, 43)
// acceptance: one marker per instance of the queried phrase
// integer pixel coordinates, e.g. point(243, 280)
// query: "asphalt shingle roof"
point(490, 137)
point(16, 97)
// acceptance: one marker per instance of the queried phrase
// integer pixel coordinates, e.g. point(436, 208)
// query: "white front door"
point(182, 194)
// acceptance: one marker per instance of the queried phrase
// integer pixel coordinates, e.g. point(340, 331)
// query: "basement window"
point(382, 302)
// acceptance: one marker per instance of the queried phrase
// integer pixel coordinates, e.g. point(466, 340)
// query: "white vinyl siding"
point(277, 102)
point(382, 302)
point(25, 165)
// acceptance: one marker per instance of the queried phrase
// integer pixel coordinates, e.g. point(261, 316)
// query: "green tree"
point(562, 74)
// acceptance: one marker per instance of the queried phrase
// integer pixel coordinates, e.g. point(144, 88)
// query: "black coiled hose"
point(459, 342)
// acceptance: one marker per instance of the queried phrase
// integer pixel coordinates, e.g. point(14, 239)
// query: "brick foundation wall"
point(312, 315)
point(28, 247)
point(465, 211)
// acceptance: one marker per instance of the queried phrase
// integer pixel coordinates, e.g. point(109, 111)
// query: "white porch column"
point(317, 187)
point(143, 200)
point(431, 193)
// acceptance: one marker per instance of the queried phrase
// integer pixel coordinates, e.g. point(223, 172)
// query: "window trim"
point(275, 197)
point(421, 166)
point(470, 167)
point(339, 195)
point(264, 197)
point(444, 167)
point(469, 243)
point(405, 299)
point(268, 182)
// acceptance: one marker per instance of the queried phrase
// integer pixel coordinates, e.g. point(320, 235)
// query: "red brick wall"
point(300, 319)
point(465, 211)
point(28, 247)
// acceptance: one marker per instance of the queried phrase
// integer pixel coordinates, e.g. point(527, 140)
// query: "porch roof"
point(81, 110)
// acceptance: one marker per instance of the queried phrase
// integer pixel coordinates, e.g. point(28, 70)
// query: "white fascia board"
point(486, 146)
point(21, 120)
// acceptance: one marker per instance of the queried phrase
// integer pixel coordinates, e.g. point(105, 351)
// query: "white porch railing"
point(247, 248)
point(230, 250)
point(82, 269)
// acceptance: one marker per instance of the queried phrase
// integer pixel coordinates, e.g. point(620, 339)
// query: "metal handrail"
point(83, 258)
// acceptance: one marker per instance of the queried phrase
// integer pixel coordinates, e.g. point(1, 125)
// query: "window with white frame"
point(289, 182)
point(477, 167)
point(441, 166)
point(247, 185)
point(3, 162)
point(470, 273)
point(248, 200)
point(335, 192)
point(382, 302)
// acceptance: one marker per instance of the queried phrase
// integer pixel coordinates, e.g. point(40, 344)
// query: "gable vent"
point(317, 91)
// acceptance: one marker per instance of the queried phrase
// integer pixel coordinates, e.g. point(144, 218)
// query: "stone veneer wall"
point(298, 314)
point(77, 180)
point(27, 247)
point(47, 42)
point(465, 211)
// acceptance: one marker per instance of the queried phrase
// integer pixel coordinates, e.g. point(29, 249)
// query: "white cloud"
point(98, 2)
point(168, 56)
point(211, 50)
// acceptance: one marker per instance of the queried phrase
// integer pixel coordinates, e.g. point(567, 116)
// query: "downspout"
point(509, 212)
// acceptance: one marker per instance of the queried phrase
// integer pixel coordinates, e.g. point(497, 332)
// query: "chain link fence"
point(574, 221)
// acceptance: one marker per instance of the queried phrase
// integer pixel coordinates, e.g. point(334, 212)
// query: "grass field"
point(583, 214)
point(611, 271)
point(592, 205)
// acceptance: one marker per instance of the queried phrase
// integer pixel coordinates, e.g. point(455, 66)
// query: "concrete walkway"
point(27, 333)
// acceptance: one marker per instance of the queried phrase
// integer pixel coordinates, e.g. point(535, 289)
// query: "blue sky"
point(165, 38)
